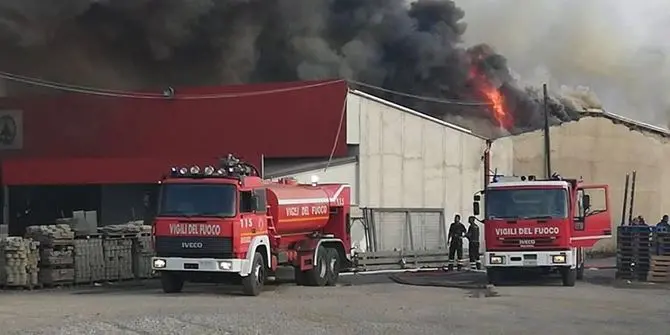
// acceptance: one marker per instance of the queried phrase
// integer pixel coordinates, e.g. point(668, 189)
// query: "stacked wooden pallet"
point(659, 271)
point(56, 253)
point(635, 246)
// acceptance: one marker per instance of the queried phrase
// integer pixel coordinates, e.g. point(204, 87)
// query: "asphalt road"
point(365, 305)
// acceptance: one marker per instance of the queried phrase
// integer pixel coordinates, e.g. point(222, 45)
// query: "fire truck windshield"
point(526, 203)
point(217, 200)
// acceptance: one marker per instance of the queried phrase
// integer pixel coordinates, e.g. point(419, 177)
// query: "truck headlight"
point(558, 259)
point(497, 259)
point(225, 265)
point(159, 263)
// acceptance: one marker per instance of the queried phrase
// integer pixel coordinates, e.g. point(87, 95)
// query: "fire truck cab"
point(541, 224)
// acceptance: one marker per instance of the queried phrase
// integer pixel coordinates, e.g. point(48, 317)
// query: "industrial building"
point(403, 162)
point(601, 148)
point(82, 152)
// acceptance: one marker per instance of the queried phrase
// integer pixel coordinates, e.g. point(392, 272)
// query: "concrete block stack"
point(142, 252)
point(56, 253)
point(47, 233)
point(89, 260)
point(118, 258)
point(130, 228)
point(20, 258)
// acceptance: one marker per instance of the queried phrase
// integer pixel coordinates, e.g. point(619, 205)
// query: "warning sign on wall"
point(11, 129)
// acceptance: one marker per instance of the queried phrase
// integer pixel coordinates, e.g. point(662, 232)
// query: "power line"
point(152, 96)
point(158, 96)
point(419, 97)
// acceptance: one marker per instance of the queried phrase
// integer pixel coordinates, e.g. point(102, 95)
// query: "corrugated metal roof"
point(635, 125)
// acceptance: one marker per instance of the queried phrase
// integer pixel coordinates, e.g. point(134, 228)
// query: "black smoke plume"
point(412, 47)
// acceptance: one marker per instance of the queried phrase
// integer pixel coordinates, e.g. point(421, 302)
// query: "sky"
point(617, 49)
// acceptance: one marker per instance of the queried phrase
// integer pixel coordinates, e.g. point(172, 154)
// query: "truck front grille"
point(194, 247)
point(539, 242)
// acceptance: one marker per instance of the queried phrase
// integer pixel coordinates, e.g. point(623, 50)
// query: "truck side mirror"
point(586, 202)
point(475, 208)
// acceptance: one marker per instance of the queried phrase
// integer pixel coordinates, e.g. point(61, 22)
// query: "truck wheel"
point(569, 276)
point(171, 282)
point(253, 283)
point(333, 262)
point(494, 276)
point(580, 272)
point(318, 275)
point(300, 276)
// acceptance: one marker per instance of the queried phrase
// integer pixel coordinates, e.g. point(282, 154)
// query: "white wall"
point(410, 160)
point(502, 156)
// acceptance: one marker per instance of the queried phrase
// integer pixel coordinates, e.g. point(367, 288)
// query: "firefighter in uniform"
point(455, 239)
point(473, 245)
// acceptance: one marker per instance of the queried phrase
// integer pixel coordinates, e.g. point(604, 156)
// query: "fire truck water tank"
point(298, 209)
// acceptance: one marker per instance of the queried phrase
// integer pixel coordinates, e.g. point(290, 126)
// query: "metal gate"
point(399, 238)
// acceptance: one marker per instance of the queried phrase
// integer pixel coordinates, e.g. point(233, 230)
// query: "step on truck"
point(545, 225)
point(227, 224)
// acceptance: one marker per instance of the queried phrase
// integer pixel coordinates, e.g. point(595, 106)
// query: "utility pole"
point(547, 139)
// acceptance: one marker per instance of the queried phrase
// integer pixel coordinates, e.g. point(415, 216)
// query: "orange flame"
point(495, 98)
point(497, 104)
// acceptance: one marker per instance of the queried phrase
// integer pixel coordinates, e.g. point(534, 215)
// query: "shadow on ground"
point(153, 287)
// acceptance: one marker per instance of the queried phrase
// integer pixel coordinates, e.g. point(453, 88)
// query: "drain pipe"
point(487, 163)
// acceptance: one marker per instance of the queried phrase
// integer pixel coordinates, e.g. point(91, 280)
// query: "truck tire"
point(333, 262)
point(300, 276)
point(580, 272)
point(318, 275)
point(569, 276)
point(171, 282)
point(252, 284)
point(494, 276)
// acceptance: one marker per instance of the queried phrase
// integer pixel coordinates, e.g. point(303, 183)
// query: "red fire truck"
point(542, 224)
point(227, 224)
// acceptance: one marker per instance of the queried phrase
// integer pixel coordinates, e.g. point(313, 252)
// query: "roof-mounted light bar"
point(195, 172)
point(500, 179)
point(229, 167)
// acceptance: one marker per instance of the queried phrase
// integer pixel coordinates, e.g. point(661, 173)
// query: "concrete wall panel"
point(411, 161)
point(502, 156)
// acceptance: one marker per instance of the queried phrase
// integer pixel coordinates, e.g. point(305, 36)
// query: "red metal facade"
point(74, 139)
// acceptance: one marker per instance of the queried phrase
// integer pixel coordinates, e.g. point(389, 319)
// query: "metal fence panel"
point(406, 229)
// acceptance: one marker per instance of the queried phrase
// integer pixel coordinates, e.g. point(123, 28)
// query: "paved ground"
point(371, 305)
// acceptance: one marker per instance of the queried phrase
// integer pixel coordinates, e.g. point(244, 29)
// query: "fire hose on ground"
point(468, 280)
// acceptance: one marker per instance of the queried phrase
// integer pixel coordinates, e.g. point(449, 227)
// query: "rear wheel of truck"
point(300, 276)
point(333, 261)
point(580, 272)
point(253, 283)
point(569, 276)
point(171, 282)
point(318, 275)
